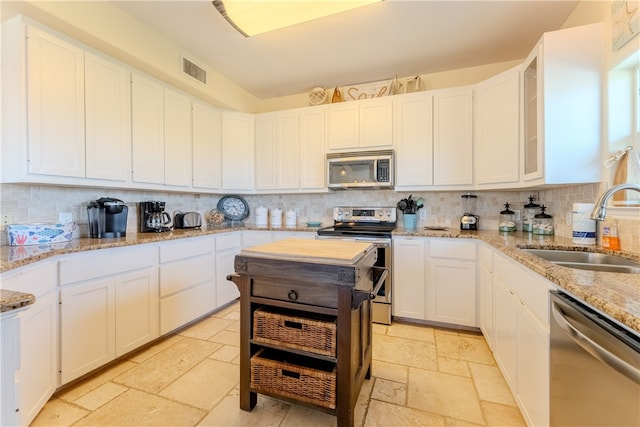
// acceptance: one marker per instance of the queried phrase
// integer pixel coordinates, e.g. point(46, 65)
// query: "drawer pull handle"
point(291, 374)
point(294, 325)
point(292, 295)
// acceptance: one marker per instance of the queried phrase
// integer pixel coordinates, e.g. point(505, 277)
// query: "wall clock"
point(233, 207)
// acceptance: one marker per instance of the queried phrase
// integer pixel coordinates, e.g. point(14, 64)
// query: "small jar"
point(543, 223)
point(507, 219)
point(530, 210)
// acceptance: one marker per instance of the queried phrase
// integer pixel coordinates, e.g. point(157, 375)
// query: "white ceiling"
point(376, 42)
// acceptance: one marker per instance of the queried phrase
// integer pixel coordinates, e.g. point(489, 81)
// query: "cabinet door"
point(207, 147)
point(136, 309)
point(376, 123)
point(505, 305)
point(87, 327)
point(533, 368)
point(485, 293)
point(177, 139)
point(108, 119)
point(287, 150)
point(55, 82)
point(497, 129)
point(409, 278)
point(414, 140)
point(452, 137)
point(451, 292)
point(147, 121)
point(39, 355)
point(532, 116)
point(312, 148)
point(343, 126)
point(237, 151)
point(266, 151)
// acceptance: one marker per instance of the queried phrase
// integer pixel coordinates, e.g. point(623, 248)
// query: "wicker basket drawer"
point(301, 331)
point(295, 377)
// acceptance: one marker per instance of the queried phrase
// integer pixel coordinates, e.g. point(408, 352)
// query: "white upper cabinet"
point(238, 145)
point(207, 146)
point(562, 114)
point(414, 140)
point(177, 139)
point(55, 89)
point(366, 124)
point(266, 151)
point(287, 150)
point(108, 119)
point(453, 137)
point(147, 130)
point(497, 129)
point(312, 148)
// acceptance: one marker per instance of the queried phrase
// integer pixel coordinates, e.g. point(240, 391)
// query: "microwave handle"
point(375, 170)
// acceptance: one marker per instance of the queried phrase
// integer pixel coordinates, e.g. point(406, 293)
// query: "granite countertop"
point(616, 294)
point(11, 300)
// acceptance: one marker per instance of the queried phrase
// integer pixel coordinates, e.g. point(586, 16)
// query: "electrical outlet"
point(423, 214)
point(65, 217)
point(6, 219)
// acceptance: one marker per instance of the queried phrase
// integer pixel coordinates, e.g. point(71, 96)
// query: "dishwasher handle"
point(593, 348)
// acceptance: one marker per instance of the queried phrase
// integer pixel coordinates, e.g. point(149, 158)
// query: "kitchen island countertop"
point(616, 294)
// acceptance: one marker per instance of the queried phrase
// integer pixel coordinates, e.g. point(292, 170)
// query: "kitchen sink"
point(587, 260)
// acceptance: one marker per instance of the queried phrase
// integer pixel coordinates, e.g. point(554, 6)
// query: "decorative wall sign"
point(366, 90)
point(625, 21)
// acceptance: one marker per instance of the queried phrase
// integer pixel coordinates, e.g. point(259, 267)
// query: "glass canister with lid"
point(543, 222)
point(531, 209)
point(507, 219)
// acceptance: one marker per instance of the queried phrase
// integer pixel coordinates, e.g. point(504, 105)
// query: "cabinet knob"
point(292, 295)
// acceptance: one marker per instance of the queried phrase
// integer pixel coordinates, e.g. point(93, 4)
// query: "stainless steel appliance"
point(469, 220)
point(153, 218)
point(107, 218)
point(368, 224)
point(595, 367)
point(365, 169)
point(187, 220)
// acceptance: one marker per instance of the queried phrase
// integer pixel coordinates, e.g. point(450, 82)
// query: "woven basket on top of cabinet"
point(294, 376)
point(291, 329)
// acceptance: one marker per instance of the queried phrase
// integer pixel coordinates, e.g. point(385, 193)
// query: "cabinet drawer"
point(453, 248)
point(37, 279)
point(106, 262)
point(179, 275)
point(228, 241)
point(186, 248)
point(303, 293)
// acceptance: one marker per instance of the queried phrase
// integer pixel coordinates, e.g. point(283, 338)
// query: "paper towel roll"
point(584, 228)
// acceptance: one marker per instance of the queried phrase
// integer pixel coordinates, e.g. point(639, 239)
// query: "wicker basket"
point(290, 375)
point(300, 331)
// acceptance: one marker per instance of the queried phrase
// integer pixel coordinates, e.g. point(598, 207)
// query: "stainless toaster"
point(187, 220)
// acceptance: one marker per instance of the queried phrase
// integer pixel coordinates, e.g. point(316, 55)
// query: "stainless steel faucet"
point(600, 210)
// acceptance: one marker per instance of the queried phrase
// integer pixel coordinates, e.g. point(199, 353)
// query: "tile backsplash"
point(40, 203)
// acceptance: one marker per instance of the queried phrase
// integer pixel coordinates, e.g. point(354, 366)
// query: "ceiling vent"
point(194, 70)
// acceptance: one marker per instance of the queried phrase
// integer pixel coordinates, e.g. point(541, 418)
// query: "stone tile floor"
point(422, 376)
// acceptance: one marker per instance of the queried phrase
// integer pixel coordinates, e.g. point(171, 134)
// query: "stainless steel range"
point(368, 224)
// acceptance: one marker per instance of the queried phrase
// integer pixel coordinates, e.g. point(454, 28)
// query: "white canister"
point(290, 218)
point(584, 228)
point(262, 216)
point(276, 217)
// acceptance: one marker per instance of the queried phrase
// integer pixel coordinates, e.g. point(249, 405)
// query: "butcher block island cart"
point(305, 322)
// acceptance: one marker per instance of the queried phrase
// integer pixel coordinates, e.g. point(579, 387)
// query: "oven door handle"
point(359, 296)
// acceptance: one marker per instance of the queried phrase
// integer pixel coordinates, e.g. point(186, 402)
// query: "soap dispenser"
point(543, 222)
point(507, 219)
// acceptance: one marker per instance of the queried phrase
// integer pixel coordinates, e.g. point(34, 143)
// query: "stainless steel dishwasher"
point(595, 367)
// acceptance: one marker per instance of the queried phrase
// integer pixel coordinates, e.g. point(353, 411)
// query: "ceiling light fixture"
point(251, 17)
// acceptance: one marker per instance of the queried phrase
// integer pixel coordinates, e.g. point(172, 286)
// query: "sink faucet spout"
point(600, 209)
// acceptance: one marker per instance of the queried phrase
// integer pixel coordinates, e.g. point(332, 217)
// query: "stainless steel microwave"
point(364, 169)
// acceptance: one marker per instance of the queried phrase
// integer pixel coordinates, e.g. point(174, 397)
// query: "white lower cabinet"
point(484, 285)
point(108, 306)
point(37, 377)
point(521, 301)
point(228, 245)
point(187, 281)
point(434, 280)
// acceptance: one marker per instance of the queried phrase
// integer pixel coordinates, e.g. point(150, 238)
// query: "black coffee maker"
point(107, 218)
point(153, 218)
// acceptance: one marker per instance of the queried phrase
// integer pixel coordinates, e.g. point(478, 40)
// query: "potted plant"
point(409, 208)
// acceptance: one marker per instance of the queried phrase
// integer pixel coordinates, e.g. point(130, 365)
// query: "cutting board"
point(316, 251)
